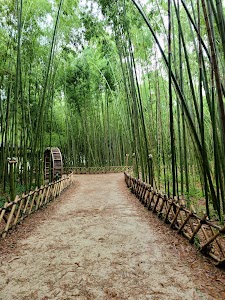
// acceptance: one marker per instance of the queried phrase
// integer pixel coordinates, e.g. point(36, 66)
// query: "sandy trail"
point(97, 244)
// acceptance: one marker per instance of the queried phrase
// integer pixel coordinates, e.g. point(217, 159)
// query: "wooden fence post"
point(10, 216)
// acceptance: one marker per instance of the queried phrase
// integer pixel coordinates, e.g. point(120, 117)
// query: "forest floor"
point(96, 241)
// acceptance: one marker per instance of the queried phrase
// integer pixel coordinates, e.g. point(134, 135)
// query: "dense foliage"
point(102, 79)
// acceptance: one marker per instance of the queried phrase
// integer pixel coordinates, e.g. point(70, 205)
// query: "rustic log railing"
point(14, 212)
point(98, 170)
point(207, 236)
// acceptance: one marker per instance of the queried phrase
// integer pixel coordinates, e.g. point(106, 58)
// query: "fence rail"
point(14, 212)
point(207, 236)
point(97, 170)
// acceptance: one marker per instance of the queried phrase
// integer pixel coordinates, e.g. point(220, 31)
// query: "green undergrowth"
point(5, 195)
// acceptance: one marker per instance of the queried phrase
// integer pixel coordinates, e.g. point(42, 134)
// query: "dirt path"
point(97, 242)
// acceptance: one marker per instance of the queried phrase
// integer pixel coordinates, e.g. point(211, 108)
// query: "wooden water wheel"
point(53, 164)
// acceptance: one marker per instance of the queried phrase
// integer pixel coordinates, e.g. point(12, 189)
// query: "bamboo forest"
point(116, 83)
point(112, 149)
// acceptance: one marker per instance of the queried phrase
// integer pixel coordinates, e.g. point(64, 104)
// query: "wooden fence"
point(14, 212)
point(98, 170)
point(206, 235)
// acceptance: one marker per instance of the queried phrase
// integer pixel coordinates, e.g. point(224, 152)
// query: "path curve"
point(97, 244)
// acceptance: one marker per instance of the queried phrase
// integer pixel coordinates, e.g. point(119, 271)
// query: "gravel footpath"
point(97, 242)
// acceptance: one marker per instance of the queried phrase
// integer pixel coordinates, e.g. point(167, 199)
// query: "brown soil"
point(96, 241)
